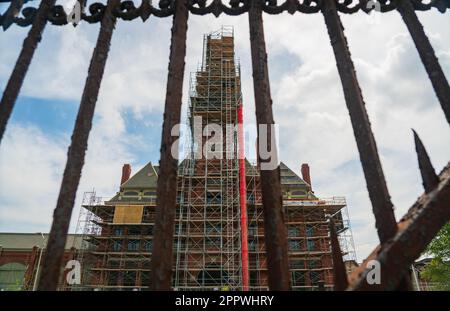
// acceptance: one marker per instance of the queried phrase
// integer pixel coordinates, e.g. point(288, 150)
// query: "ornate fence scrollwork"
point(127, 10)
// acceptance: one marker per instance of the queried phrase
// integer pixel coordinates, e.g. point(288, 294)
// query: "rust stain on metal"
point(339, 270)
point(274, 227)
point(162, 256)
point(429, 177)
point(76, 153)
point(373, 172)
point(23, 62)
point(427, 55)
point(416, 229)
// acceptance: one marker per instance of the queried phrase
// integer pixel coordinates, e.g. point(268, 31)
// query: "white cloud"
point(30, 165)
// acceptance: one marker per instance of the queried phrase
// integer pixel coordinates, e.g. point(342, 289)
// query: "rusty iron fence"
point(400, 242)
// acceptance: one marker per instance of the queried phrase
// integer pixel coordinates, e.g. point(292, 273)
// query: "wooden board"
point(128, 214)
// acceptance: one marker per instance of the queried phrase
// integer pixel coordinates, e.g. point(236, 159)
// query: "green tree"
point(438, 270)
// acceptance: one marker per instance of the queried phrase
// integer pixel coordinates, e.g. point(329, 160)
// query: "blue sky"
point(307, 96)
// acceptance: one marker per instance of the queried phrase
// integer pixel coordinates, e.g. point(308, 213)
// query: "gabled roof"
point(145, 178)
point(285, 171)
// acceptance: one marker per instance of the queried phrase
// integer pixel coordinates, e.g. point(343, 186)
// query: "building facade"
point(212, 190)
point(20, 258)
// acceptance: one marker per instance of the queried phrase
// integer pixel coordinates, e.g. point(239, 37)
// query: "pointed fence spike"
point(429, 177)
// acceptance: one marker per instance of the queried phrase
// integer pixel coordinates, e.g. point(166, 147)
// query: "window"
point(134, 231)
point(117, 246)
point(298, 278)
point(213, 182)
point(133, 245)
point(310, 245)
point(293, 231)
point(146, 277)
point(213, 243)
point(150, 193)
point(213, 198)
point(211, 229)
point(179, 245)
point(315, 277)
point(253, 278)
point(129, 278)
point(112, 278)
point(252, 230)
point(177, 229)
point(309, 231)
point(149, 230)
point(289, 178)
point(298, 193)
point(294, 245)
point(131, 193)
point(148, 245)
point(114, 264)
point(250, 198)
point(118, 231)
point(252, 246)
point(314, 264)
point(131, 264)
point(297, 264)
point(11, 276)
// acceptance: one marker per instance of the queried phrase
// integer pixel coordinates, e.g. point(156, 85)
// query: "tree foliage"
point(438, 270)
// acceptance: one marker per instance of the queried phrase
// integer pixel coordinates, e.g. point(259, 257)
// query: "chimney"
point(305, 174)
point(126, 173)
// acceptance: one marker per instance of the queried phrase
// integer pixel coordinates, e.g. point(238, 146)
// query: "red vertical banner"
point(243, 200)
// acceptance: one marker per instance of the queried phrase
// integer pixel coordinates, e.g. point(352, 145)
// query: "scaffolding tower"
point(207, 224)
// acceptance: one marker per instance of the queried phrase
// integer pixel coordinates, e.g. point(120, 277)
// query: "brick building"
point(213, 194)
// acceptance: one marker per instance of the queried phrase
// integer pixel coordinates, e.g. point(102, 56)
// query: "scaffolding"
point(118, 233)
point(114, 255)
point(307, 224)
point(207, 225)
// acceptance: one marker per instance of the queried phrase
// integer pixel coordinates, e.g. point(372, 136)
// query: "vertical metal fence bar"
point(23, 62)
point(427, 55)
point(339, 270)
point(76, 153)
point(376, 184)
point(274, 227)
point(162, 255)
